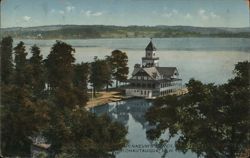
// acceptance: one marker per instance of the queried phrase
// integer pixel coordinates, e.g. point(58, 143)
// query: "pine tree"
point(37, 71)
point(81, 75)
point(22, 69)
point(59, 64)
point(6, 60)
point(119, 65)
point(100, 74)
point(23, 116)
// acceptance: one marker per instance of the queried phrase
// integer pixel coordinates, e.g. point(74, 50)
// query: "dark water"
point(131, 114)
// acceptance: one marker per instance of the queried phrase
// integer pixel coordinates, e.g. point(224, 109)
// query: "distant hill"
point(105, 31)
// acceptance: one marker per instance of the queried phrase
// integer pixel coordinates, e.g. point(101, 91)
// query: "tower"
point(150, 60)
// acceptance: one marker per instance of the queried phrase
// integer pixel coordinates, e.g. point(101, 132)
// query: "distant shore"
point(107, 31)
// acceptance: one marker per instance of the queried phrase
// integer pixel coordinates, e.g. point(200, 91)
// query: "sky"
point(203, 13)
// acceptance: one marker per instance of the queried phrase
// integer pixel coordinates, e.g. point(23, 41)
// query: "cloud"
point(167, 15)
point(26, 18)
point(170, 13)
point(175, 11)
point(61, 12)
point(188, 16)
point(91, 13)
point(202, 13)
point(213, 15)
point(205, 15)
point(70, 8)
point(52, 11)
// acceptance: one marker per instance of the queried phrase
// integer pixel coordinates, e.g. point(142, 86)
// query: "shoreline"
point(116, 95)
point(104, 98)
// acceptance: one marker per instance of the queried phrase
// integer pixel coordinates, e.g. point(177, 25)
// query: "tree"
point(22, 115)
point(81, 75)
point(6, 59)
point(72, 130)
point(213, 120)
point(22, 69)
point(119, 65)
point(61, 118)
point(59, 64)
point(82, 134)
point(37, 71)
point(100, 74)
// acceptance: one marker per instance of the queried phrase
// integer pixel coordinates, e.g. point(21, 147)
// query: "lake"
point(206, 59)
point(131, 114)
point(210, 60)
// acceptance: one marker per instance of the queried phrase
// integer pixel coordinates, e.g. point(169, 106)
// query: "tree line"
point(46, 97)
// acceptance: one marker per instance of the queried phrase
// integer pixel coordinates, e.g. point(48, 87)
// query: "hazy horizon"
point(126, 26)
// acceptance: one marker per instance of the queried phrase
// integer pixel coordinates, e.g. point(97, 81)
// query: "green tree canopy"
point(119, 64)
point(59, 65)
point(37, 71)
point(100, 74)
point(81, 134)
point(60, 116)
point(72, 130)
point(6, 59)
point(22, 69)
point(213, 120)
point(22, 116)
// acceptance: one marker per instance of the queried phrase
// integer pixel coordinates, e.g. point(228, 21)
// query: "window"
point(149, 85)
point(153, 85)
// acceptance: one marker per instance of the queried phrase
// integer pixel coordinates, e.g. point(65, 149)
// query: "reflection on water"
point(131, 114)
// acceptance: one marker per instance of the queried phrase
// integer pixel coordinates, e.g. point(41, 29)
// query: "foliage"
point(22, 115)
point(59, 115)
point(37, 71)
point(82, 134)
point(81, 75)
point(6, 59)
point(119, 64)
point(100, 74)
point(59, 64)
point(21, 118)
point(22, 68)
point(213, 120)
point(74, 132)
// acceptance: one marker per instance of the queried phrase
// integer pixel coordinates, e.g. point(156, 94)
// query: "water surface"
point(206, 59)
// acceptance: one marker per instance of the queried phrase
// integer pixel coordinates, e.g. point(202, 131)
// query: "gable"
point(168, 71)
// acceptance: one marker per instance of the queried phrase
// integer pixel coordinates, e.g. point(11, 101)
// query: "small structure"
point(149, 80)
point(39, 147)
